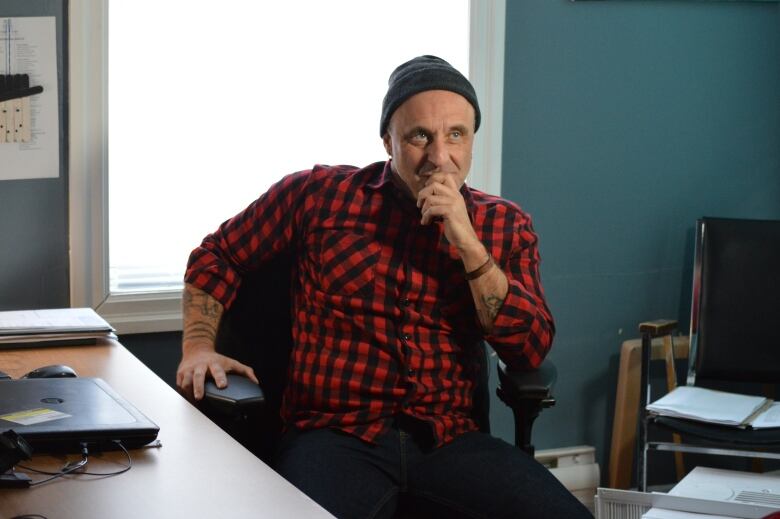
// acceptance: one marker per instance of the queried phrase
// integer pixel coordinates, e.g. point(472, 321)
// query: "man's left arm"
point(511, 310)
point(489, 287)
point(522, 330)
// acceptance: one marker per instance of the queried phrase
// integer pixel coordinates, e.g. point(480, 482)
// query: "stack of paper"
point(662, 513)
point(64, 326)
point(719, 494)
point(719, 407)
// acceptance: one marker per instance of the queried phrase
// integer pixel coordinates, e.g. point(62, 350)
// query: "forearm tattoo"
point(203, 312)
point(491, 305)
point(200, 331)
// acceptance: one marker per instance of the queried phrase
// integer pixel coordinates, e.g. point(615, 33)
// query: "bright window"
point(209, 106)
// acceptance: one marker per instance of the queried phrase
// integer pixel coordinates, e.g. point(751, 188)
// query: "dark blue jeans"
point(476, 475)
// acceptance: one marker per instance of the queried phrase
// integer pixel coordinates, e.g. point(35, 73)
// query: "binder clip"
point(15, 92)
point(13, 449)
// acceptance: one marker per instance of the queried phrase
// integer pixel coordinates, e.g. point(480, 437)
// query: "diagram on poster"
point(28, 48)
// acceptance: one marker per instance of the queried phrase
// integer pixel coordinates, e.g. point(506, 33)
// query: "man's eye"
point(456, 135)
point(420, 136)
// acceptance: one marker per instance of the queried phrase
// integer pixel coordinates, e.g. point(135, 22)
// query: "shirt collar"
point(384, 177)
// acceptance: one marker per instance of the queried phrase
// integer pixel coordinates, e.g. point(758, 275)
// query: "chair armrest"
point(240, 397)
point(244, 411)
point(529, 385)
point(526, 393)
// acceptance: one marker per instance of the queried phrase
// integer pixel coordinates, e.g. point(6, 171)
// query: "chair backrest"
point(256, 330)
point(735, 311)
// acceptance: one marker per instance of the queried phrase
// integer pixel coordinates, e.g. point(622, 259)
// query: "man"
point(401, 270)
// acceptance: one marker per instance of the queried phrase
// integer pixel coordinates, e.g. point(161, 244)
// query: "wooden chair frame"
point(626, 417)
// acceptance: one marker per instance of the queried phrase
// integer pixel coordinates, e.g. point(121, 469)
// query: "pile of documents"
point(722, 494)
point(57, 327)
point(719, 407)
point(704, 493)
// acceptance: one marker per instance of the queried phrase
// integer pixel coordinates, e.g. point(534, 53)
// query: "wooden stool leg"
point(621, 457)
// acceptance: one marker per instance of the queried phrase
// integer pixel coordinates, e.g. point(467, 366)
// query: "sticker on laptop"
point(34, 416)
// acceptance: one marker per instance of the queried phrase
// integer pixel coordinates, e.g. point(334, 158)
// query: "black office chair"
point(734, 337)
point(256, 330)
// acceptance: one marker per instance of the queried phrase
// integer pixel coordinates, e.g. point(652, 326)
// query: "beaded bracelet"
point(474, 274)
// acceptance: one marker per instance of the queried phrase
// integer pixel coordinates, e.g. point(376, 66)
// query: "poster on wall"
point(29, 147)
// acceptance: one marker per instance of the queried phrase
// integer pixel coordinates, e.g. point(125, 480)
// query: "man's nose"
point(437, 152)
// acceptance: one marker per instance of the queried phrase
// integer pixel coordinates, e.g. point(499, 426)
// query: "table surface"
point(199, 471)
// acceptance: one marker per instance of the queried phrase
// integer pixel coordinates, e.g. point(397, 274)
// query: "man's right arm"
point(201, 314)
point(241, 244)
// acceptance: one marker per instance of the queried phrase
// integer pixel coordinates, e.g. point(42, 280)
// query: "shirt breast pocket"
point(347, 263)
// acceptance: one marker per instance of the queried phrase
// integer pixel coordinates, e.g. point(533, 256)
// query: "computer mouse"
point(54, 371)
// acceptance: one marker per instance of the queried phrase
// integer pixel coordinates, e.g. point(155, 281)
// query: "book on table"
point(52, 327)
point(718, 407)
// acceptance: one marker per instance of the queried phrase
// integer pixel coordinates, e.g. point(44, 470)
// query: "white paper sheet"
point(51, 321)
point(768, 419)
point(706, 405)
point(661, 513)
point(29, 46)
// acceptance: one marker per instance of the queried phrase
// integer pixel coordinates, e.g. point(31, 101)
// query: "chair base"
point(709, 439)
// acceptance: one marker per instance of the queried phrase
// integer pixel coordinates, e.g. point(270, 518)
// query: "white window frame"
point(88, 158)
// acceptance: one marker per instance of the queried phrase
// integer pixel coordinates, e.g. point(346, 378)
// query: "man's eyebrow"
point(462, 128)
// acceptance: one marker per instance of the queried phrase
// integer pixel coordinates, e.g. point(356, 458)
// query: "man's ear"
point(387, 141)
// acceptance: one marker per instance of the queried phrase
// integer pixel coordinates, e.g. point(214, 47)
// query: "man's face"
point(431, 132)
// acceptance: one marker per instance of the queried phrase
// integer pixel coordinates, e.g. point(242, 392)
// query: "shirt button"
point(405, 301)
point(410, 372)
point(406, 336)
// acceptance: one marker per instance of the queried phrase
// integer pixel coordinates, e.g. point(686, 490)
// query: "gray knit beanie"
point(418, 75)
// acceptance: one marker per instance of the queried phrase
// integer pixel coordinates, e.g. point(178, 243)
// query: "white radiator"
point(576, 468)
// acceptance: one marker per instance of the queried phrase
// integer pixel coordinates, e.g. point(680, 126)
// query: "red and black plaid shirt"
point(383, 318)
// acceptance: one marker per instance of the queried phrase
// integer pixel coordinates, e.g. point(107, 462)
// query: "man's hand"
point(199, 361)
point(440, 199)
point(202, 314)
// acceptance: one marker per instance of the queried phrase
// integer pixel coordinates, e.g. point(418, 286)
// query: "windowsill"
point(143, 312)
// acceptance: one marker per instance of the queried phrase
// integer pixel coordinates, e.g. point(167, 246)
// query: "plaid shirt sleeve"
point(523, 330)
point(248, 239)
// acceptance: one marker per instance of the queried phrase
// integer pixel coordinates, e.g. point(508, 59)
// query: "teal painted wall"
point(624, 121)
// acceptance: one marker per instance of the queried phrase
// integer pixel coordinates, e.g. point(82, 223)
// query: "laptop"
point(58, 414)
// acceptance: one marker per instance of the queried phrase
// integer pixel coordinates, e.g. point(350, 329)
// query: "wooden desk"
point(198, 472)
